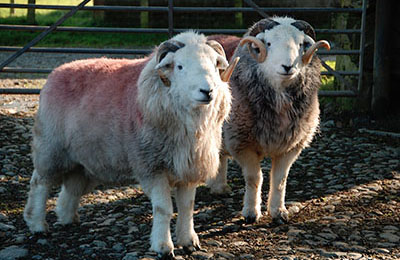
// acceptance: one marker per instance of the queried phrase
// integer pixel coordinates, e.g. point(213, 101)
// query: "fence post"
point(12, 11)
point(98, 15)
point(381, 86)
point(170, 18)
point(362, 44)
point(144, 16)
point(31, 13)
point(239, 15)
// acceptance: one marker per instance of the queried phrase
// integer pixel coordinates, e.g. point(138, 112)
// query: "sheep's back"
point(98, 80)
point(88, 107)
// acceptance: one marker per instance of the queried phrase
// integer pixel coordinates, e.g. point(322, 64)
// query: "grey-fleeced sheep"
point(275, 109)
point(99, 121)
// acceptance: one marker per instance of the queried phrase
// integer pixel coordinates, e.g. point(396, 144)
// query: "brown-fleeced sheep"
point(275, 109)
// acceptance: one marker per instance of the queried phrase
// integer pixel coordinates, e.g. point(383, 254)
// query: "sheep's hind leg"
point(250, 163)
point(159, 191)
point(35, 209)
point(75, 184)
point(185, 234)
point(219, 184)
point(277, 190)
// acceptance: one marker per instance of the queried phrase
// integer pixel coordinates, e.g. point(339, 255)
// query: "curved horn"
point(217, 47)
point(226, 75)
point(309, 53)
point(261, 26)
point(305, 27)
point(163, 50)
point(260, 45)
point(168, 46)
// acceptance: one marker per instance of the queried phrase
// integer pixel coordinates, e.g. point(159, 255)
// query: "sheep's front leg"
point(277, 190)
point(35, 209)
point(250, 163)
point(159, 191)
point(185, 234)
point(219, 184)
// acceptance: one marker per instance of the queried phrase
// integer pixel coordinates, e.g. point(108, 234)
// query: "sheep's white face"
point(285, 45)
point(193, 73)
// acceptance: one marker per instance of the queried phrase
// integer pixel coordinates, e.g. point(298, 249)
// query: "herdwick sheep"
point(100, 121)
point(275, 109)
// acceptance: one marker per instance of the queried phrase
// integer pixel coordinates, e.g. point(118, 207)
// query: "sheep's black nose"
point(287, 68)
point(207, 93)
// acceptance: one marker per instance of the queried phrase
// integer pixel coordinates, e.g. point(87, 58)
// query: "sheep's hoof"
point(62, 226)
point(38, 228)
point(166, 256)
point(250, 219)
point(67, 219)
point(251, 215)
point(221, 189)
point(190, 249)
point(280, 220)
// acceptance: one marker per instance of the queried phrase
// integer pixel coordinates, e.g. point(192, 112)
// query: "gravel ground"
point(343, 195)
point(47, 61)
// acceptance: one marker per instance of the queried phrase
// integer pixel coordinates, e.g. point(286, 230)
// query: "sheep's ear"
point(164, 69)
point(310, 52)
point(222, 63)
point(309, 39)
point(259, 56)
point(166, 61)
point(217, 47)
point(164, 58)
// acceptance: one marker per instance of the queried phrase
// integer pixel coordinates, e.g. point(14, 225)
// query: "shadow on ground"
point(343, 194)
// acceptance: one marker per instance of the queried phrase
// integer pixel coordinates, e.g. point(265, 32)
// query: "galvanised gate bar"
point(172, 10)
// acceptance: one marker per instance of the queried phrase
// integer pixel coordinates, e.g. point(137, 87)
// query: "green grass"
point(341, 103)
point(69, 39)
point(327, 81)
point(5, 12)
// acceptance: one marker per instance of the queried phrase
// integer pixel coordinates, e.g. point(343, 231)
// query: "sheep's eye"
point(268, 44)
point(180, 67)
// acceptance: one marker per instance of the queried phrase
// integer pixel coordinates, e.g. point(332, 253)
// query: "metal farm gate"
point(172, 10)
